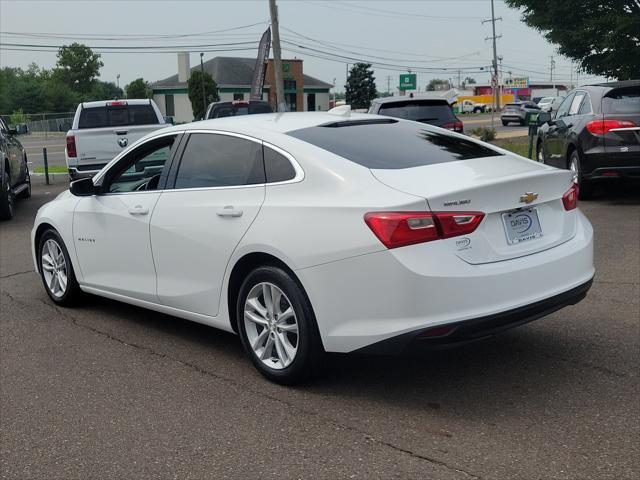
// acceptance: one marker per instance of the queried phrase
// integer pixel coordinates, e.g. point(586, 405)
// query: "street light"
point(204, 99)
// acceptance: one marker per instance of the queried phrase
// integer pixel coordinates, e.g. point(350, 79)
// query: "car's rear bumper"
point(511, 118)
point(364, 300)
point(477, 328)
point(610, 162)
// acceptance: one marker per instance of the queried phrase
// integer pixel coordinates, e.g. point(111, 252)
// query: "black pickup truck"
point(14, 172)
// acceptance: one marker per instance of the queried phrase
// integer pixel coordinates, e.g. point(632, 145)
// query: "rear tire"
point(585, 187)
point(280, 337)
point(504, 124)
point(56, 270)
point(6, 198)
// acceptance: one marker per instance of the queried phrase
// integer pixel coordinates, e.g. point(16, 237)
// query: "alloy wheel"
point(54, 268)
point(271, 325)
point(575, 168)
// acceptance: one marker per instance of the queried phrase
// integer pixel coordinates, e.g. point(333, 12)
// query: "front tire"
point(585, 187)
point(540, 151)
point(56, 270)
point(6, 198)
point(277, 326)
point(504, 123)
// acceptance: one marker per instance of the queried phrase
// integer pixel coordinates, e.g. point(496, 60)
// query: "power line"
point(114, 36)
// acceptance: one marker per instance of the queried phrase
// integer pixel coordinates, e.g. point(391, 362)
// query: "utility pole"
point(495, 55)
point(459, 81)
point(277, 59)
point(577, 76)
point(204, 96)
point(388, 84)
point(553, 64)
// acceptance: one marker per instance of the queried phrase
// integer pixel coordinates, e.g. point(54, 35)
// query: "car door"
point(218, 191)
point(15, 155)
point(111, 229)
point(554, 138)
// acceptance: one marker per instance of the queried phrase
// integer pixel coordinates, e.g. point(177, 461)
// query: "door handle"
point(229, 211)
point(138, 210)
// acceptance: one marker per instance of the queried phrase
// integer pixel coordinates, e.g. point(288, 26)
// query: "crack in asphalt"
point(15, 274)
point(236, 384)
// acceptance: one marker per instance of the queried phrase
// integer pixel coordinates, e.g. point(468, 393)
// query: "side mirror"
point(544, 117)
point(83, 187)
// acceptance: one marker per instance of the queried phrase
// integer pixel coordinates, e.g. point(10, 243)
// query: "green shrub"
point(486, 134)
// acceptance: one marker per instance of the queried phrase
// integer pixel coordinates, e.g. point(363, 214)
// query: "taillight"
point(570, 198)
point(455, 126)
point(71, 146)
point(399, 229)
point(602, 127)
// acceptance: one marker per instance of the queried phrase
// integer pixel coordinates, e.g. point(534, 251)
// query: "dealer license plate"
point(521, 225)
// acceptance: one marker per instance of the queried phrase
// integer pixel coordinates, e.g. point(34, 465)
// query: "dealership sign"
point(517, 82)
point(408, 81)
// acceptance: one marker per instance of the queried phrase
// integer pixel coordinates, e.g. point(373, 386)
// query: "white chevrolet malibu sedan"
point(307, 233)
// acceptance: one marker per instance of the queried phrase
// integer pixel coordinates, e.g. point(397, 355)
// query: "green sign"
point(408, 81)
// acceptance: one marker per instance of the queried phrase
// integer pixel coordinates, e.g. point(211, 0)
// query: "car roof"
point(126, 101)
point(618, 84)
point(435, 96)
point(272, 122)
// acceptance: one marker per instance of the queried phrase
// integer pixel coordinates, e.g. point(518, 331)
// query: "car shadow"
point(482, 378)
point(619, 191)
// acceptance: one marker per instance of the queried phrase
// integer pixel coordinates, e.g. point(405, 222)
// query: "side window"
point(141, 169)
point(277, 167)
point(214, 160)
point(563, 109)
point(585, 109)
point(576, 102)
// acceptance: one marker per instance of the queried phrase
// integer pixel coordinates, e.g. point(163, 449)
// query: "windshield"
point(420, 111)
point(117, 116)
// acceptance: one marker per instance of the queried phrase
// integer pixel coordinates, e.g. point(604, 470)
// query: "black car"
point(237, 107)
point(15, 181)
point(595, 132)
point(434, 111)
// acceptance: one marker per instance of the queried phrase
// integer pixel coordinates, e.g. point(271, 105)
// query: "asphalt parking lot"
point(108, 390)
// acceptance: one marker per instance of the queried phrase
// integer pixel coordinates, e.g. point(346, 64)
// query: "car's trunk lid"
point(497, 186)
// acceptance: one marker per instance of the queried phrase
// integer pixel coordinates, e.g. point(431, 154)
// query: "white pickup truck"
point(469, 106)
point(101, 130)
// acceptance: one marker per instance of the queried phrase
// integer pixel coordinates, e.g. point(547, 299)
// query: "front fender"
point(58, 213)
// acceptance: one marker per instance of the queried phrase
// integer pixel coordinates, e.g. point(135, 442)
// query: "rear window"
point(419, 111)
point(622, 100)
point(117, 116)
point(391, 144)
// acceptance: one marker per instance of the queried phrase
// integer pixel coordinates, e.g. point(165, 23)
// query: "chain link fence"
point(41, 122)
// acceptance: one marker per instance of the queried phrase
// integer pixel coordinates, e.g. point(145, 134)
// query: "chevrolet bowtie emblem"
point(528, 197)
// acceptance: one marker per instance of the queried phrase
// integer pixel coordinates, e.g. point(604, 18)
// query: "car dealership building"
point(233, 76)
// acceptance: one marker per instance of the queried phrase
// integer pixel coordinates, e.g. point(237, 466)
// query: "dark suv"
point(14, 172)
point(595, 132)
point(434, 111)
point(237, 107)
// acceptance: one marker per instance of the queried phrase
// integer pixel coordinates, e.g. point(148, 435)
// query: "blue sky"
point(421, 34)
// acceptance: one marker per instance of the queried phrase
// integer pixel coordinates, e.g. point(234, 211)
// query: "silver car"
point(517, 112)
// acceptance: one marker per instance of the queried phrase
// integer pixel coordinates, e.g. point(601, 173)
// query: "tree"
point(437, 84)
point(468, 81)
point(78, 67)
point(138, 89)
point(103, 91)
point(195, 92)
point(360, 89)
point(603, 37)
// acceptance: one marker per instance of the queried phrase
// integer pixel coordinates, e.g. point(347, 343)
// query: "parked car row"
point(15, 180)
